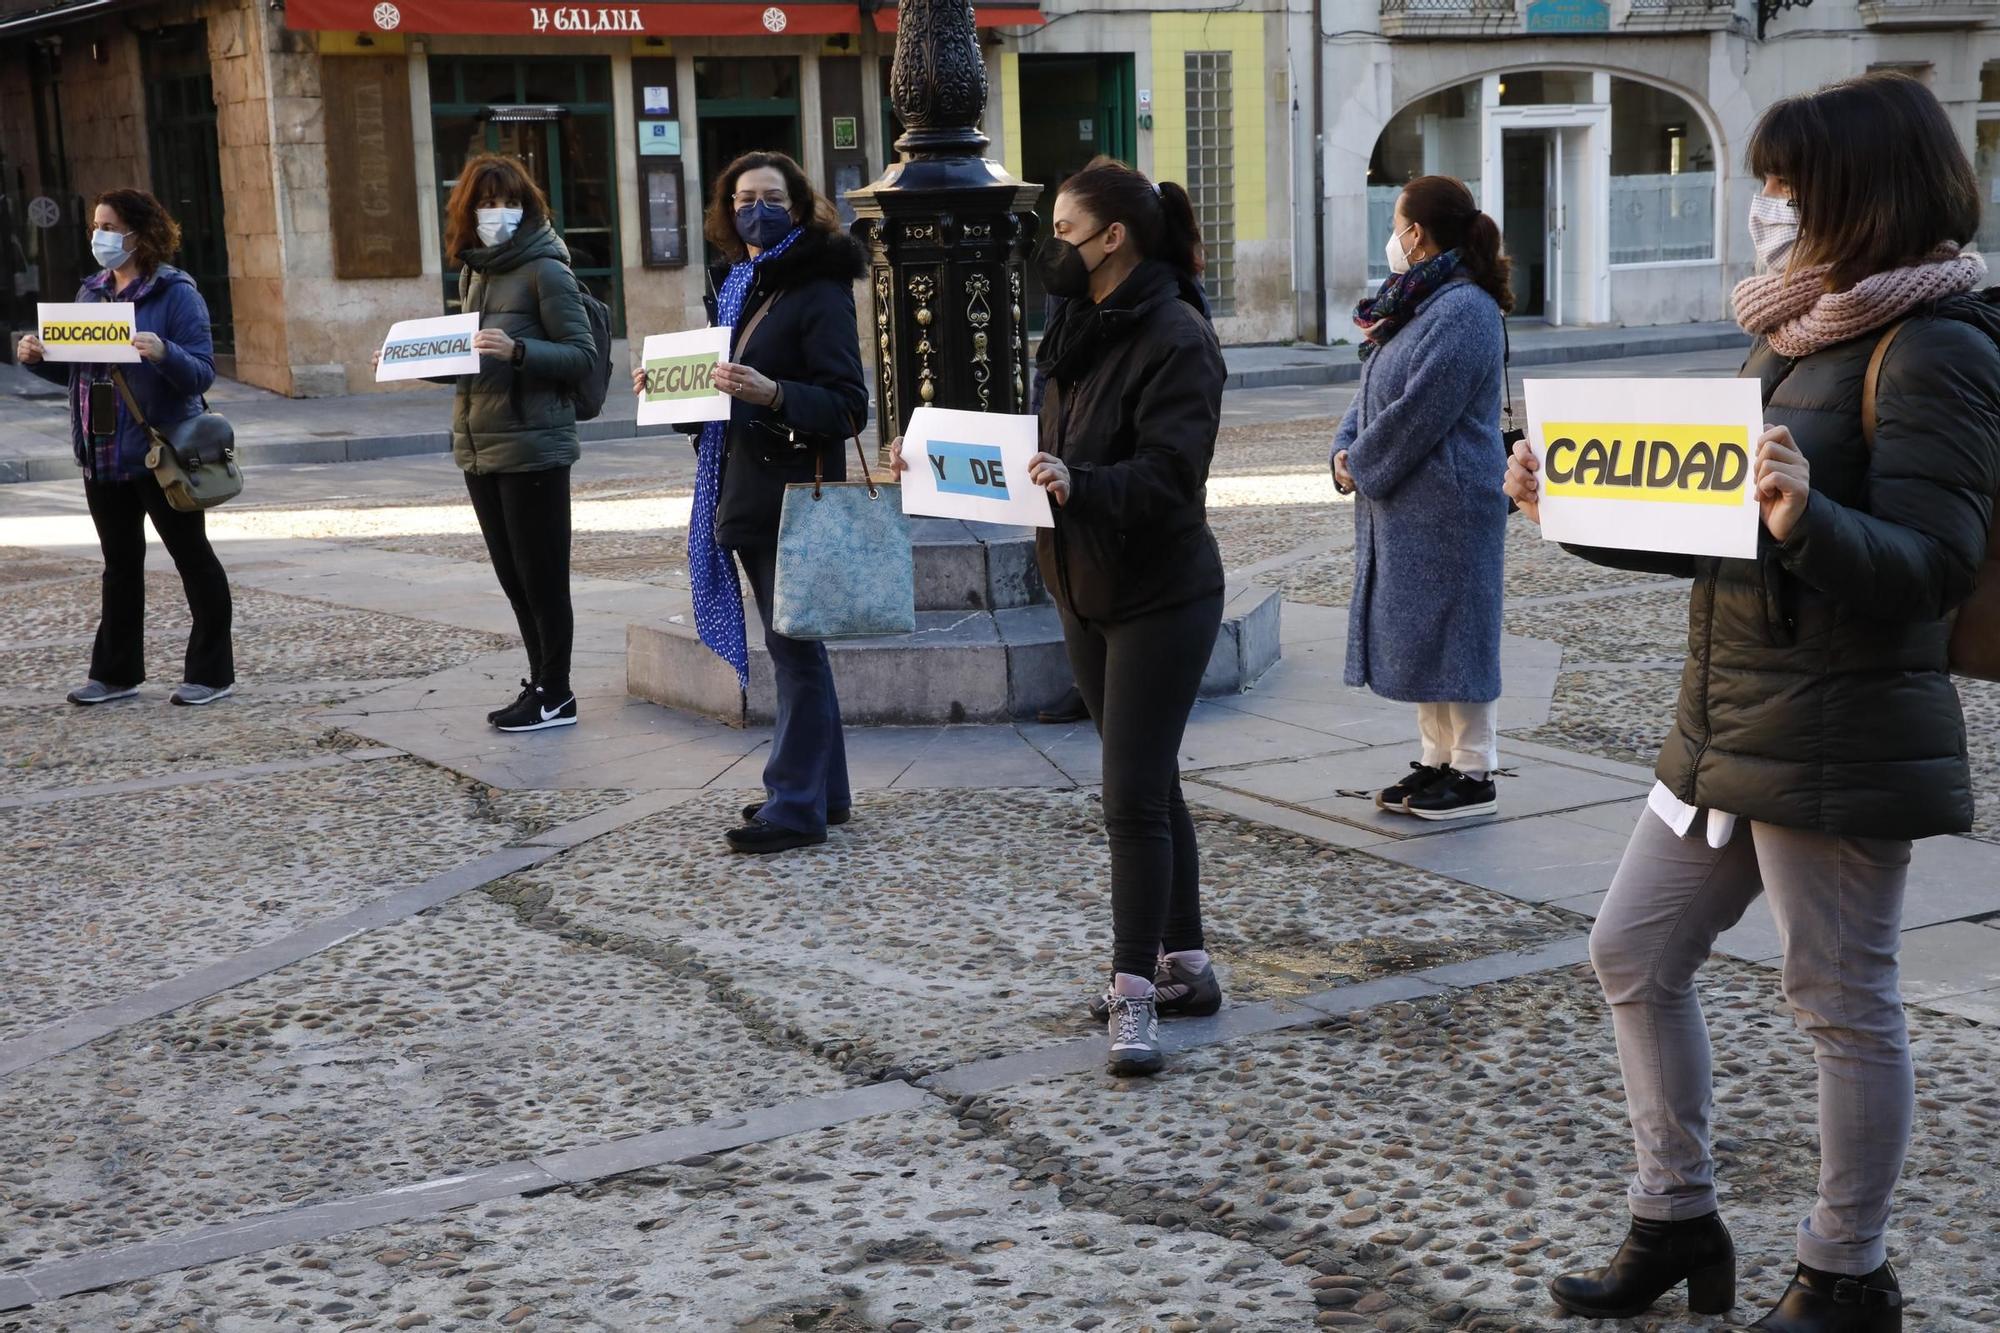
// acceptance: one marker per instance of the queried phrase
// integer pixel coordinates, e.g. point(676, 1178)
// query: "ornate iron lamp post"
point(947, 229)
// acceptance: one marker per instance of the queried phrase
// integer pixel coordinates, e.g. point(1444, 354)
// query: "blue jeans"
point(806, 774)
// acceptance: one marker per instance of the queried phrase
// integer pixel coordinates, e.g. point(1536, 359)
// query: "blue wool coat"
point(1430, 520)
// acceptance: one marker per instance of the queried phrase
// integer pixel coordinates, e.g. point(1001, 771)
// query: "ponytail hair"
point(1159, 218)
point(1445, 209)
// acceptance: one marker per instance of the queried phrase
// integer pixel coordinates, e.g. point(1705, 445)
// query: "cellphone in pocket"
point(103, 408)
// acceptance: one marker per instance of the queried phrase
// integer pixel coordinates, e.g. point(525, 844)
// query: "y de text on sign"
point(968, 469)
point(1677, 464)
point(669, 379)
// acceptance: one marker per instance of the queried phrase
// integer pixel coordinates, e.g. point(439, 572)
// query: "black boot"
point(1655, 1258)
point(1819, 1302)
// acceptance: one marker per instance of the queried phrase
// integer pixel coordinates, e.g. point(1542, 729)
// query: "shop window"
point(1986, 160)
point(1438, 136)
point(1663, 178)
point(1211, 179)
point(1545, 87)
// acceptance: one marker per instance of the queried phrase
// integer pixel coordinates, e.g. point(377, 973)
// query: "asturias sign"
point(744, 18)
point(1569, 16)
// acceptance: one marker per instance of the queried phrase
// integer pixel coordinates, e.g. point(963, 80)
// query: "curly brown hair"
point(808, 205)
point(156, 237)
point(489, 176)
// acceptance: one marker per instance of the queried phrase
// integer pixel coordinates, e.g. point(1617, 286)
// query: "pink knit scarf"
point(1799, 316)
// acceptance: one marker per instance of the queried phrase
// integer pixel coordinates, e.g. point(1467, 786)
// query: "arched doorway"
point(1588, 173)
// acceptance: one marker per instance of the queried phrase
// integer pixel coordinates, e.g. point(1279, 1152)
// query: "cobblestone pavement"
point(326, 1008)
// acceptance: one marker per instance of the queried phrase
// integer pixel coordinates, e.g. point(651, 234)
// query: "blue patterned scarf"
point(718, 597)
point(1381, 316)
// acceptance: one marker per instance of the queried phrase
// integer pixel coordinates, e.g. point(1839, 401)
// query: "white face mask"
point(1774, 230)
point(108, 247)
point(1399, 258)
point(497, 224)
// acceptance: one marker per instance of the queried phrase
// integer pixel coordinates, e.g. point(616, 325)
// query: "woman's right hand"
point(897, 467)
point(1521, 485)
point(375, 360)
point(29, 350)
point(639, 381)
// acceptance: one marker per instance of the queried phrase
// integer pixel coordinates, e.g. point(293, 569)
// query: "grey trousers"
point(1838, 905)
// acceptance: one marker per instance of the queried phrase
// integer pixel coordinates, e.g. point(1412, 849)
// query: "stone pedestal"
point(988, 646)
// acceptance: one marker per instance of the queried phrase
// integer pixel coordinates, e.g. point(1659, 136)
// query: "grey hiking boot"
point(97, 692)
point(193, 696)
point(1133, 1025)
point(1178, 992)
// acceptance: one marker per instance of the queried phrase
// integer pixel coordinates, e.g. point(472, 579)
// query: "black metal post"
point(947, 230)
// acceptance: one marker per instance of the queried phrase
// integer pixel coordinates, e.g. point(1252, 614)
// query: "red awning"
point(986, 16)
point(648, 18)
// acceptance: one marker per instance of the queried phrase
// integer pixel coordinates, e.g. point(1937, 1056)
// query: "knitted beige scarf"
point(1798, 316)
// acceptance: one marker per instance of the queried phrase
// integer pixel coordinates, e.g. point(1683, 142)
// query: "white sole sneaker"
point(553, 722)
point(1462, 812)
point(214, 697)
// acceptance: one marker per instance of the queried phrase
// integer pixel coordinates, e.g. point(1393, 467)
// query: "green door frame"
point(447, 104)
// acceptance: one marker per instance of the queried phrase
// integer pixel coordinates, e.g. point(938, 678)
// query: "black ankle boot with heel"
point(1820, 1302)
point(1655, 1258)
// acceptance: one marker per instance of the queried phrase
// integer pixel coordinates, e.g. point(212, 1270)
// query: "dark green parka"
point(1816, 693)
point(524, 287)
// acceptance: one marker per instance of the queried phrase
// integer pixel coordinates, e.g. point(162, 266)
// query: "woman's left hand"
point(1052, 475)
point(149, 345)
point(1343, 480)
point(494, 343)
point(740, 381)
point(1783, 480)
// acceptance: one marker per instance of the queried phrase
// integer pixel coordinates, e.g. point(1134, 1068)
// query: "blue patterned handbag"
point(844, 564)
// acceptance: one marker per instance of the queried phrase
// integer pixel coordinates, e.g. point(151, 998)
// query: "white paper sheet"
point(417, 348)
point(98, 332)
point(678, 367)
point(1648, 465)
point(973, 465)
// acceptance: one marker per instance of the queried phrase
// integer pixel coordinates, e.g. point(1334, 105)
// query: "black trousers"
point(120, 510)
point(1139, 678)
point(524, 517)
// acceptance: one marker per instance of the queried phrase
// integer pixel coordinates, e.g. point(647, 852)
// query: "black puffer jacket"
point(1133, 403)
point(808, 343)
point(1815, 694)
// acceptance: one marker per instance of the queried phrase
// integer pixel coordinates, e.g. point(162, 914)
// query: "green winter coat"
point(521, 418)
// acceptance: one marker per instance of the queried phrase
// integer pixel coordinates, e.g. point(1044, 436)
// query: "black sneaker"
point(834, 818)
point(531, 712)
point(1178, 992)
point(527, 693)
point(757, 838)
point(1396, 799)
point(1455, 796)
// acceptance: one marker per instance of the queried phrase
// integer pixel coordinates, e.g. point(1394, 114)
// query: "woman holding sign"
point(513, 425)
point(134, 237)
point(1132, 404)
point(787, 290)
point(1818, 731)
point(1420, 451)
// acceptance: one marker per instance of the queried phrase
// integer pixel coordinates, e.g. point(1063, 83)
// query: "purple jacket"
point(169, 391)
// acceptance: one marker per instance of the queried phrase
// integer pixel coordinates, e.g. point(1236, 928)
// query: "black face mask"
point(1062, 268)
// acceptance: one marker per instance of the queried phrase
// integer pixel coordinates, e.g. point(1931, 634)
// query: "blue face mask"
point(763, 225)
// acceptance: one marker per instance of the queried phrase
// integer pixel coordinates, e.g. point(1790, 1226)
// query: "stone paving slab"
point(918, 1217)
point(445, 1043)
point(172, 883)
point(1455, 1152)
point(929, 932)
point(1539, 860)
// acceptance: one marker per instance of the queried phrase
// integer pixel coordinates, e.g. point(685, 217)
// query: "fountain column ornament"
point(947, 230)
